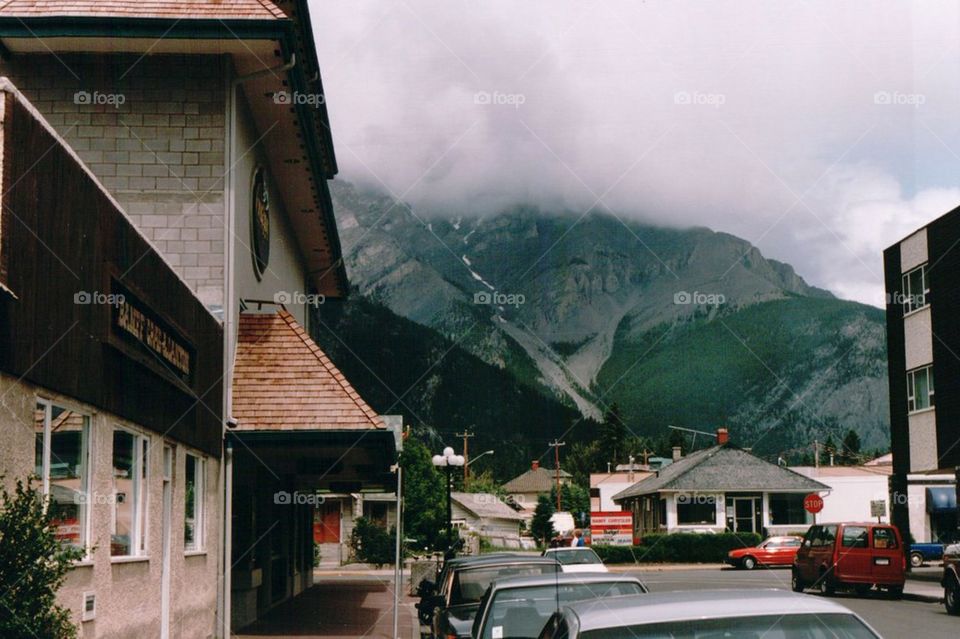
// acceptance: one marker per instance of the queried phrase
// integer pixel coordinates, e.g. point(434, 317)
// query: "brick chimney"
point(676, 453)
point(534, 465)
point(723, 436)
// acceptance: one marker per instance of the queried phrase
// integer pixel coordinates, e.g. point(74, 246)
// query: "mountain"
point(684, 327)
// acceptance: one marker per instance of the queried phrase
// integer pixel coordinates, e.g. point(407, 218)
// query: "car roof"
point(869, 524)
point(505, 561)
point(709, 604)
point(562, 578)
point(569, 548)
point(473, 559)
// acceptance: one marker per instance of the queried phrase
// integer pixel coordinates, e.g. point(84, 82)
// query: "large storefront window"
point(696, 510)
point(193, 504)
point(786, 509)
point(61, 457)
point(129, 534)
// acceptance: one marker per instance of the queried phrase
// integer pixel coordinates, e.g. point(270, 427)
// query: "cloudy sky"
point(820, 131)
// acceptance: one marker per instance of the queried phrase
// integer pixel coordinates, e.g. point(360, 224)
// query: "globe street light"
point(449, 461)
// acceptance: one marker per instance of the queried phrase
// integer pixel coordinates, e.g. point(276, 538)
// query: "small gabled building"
point(722, 488)
point(488, 516)
point(525, 489)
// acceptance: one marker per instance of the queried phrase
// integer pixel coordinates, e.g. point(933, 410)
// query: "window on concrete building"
point(128, 537)
point(915, 289)
point(61, 456)
point(696, 510)
point(193, 504)
point(786, 509)
point(920, 389)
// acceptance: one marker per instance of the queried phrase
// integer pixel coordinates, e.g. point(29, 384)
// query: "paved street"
point(893, 619)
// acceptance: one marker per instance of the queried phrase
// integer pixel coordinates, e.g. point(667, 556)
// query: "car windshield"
point(576, 556)
point(521, 613)
point(803, 626)
point(469, 585)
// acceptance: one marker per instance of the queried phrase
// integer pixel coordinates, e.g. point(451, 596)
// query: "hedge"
point(678, 548)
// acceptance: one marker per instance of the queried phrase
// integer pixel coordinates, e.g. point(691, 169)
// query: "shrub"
point(678, 548)
point(33, 564)
point(371, 544)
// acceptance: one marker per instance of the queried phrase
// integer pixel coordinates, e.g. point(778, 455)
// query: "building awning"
point(299, 416)
point(942, 499)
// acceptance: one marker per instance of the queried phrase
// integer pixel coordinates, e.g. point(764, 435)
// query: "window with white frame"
point(193, 503)
point(128, 536)
point(920, 389)
point(695, 509)
point(62, 461)
point(915, 289)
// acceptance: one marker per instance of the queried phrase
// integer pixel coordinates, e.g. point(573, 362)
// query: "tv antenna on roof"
point(695, 433)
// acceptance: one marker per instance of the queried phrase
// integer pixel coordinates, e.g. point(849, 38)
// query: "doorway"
point(744, 509)
point(167, 496)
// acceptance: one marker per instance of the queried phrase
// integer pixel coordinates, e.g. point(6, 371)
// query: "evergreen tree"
point(33, 565)
point(850, 455)
point(575, 500)
point(613, 436)
point(540, 525)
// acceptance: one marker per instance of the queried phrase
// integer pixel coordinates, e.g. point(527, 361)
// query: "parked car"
point(427, 589)
point(922, 553)
point(458, 595)
point(851, 555)
point(576, 559)
point(520, 607)
point(708, 614)
point(951, 579)
point(775, 551)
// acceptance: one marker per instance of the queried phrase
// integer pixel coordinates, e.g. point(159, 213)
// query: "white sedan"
point(576, 559)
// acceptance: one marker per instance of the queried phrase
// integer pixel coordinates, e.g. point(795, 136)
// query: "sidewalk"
point(922, 587)
point(357, 604)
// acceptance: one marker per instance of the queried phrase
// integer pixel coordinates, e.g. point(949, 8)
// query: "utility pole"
point(466, 467)
point(555, 445)
point(816, 454)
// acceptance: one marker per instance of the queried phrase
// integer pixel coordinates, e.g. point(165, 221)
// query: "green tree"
point(33, 564)
point(540, 525)
point(575, 499)
point(424, 496)
point(613, 436)
point(484, 483)
point(583, 459)
point(850, 455)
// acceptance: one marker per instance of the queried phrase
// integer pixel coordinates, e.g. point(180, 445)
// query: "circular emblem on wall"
point(260, 223)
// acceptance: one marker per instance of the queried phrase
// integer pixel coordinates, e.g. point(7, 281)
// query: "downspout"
point(230, 312)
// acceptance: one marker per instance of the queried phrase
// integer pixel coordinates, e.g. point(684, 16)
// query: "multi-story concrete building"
point(206, 124)
point(922, 274)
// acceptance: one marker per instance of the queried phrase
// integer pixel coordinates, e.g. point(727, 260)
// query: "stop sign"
point(813, 503)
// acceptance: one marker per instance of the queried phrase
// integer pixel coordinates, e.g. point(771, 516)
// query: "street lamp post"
point(448, 460)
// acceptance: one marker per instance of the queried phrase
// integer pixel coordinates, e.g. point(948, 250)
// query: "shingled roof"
point(720, 469)
point(535, 480)
point(485, 505)
point(186, 9)
point(283, 381)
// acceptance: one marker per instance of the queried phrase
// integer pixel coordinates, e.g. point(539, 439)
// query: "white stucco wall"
point(127, 591)
point(918, 339)
point(850, 496)
point(913, 251)
point(922, 427)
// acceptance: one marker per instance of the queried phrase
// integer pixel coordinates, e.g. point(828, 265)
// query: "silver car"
point(519, 607)
point(771, 614)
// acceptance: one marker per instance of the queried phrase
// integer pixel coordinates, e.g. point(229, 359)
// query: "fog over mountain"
point(818, 131)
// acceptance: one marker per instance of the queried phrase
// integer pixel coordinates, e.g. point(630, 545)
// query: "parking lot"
point(892, 619)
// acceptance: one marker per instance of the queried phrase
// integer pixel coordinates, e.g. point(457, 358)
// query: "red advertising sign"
point(611, 528)
point(813, 503)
